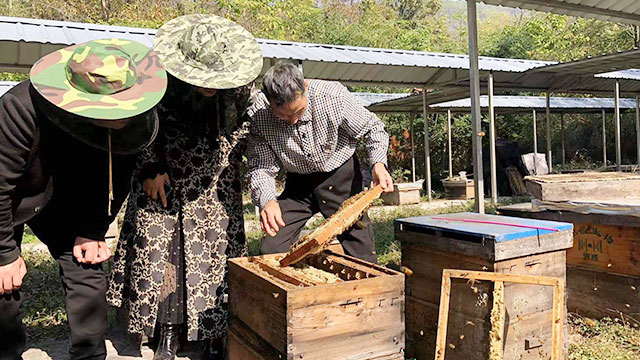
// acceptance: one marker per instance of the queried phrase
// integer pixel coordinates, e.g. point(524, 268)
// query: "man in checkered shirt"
point(310, 129)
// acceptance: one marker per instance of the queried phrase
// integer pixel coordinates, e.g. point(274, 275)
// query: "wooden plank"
point(613, 249)
point(259, 302)
point(244, 344)
point(513, 278)
point(344, 291)
point(558, 321)
point(343, 266)
point(281, 273)
point(498, 312)
point(596, 294)
point(586, 190)
point(348, 214)
point(443, 316)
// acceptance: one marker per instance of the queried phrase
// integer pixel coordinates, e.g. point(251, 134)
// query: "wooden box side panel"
point(244, 344)
point(521, 299)
point(423, 298)
point(260, 304)
point(362, 319)
point(613, 249)
point(597, 294)
point(586, 190)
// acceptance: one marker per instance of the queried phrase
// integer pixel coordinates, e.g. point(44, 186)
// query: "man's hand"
point(154, 188)
point(88, 251)
point(11, 276)
point(381, 176)
point(271, 218)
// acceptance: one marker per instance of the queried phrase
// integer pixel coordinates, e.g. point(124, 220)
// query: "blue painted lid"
point(499, 233)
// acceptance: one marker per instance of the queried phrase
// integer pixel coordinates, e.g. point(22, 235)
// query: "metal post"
point(427, 150)
point(564, 161)
point(300, 66)
point(604, 138)
point(618, 147)
point(492, 143)
point(412, 119)
point(548, 124)
point(476, 117)
point(449, 143)
point(638, 127)
point(535, 134)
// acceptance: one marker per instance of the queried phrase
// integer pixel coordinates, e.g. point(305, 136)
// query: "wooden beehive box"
point(457, 188)
point(287, 313)
point(603, 266)
point(584, 186)
point(430, 245)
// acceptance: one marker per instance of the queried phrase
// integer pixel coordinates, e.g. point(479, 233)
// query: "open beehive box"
point(327, 306)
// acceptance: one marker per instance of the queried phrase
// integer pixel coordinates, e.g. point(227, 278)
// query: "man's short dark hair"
point(283, 83)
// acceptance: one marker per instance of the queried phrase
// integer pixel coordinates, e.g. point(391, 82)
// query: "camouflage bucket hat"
point(108, 80)
point(208, 51)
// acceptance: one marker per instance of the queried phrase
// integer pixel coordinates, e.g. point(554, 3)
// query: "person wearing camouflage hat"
point(69, 138)
point(184, 217)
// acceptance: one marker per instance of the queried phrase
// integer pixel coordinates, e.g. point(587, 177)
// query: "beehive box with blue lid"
point(486, 243)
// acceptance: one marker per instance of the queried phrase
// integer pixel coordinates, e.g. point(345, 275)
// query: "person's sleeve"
point(153, 159)
point(17, 129)
point(263, 166)
point(93, 223)
point(360, 123)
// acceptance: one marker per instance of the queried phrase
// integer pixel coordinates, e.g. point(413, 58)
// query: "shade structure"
point(24, 41)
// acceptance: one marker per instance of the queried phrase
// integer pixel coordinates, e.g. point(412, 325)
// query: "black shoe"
point(214, 350)
point(168, 344)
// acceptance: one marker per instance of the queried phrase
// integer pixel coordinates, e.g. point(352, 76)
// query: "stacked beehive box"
point(430, 244)
point(329, 306)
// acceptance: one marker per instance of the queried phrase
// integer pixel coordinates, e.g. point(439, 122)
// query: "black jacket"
point(48, 176)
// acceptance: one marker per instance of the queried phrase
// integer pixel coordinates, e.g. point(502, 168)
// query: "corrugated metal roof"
point(505, 103)
point(26, 40)
point(624, 11)
point(366, 99)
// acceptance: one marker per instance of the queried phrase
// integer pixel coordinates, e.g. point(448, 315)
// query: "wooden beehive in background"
point(603, 266)
point(337, 307)
point(430, 245)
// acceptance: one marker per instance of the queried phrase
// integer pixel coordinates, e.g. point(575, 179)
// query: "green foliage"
point(5, 76)
point(558, 38)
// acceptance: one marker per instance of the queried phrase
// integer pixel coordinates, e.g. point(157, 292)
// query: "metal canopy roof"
point(6, 85)
point(504, 104)
point(623, 11)
point(26, 40)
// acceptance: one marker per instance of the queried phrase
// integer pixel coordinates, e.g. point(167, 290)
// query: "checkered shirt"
point(323, 139)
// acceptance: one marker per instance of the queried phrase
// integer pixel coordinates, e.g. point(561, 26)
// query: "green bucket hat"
point(208, 51)
point(109, 79)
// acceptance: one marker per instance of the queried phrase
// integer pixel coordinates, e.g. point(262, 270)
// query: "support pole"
point(564, 160)
point(476, 117)
point(535, 134)
point(548, 125)
point(618, 148)
point(427, 150)
point(449, 143)
point(604, 138)
point(638, 128)
point(412, 119)
point(492, 143)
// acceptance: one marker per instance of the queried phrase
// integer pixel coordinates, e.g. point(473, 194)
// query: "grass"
point(608, 339)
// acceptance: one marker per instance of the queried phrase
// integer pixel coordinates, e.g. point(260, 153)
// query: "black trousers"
point(84, 288)
point(305, 195)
